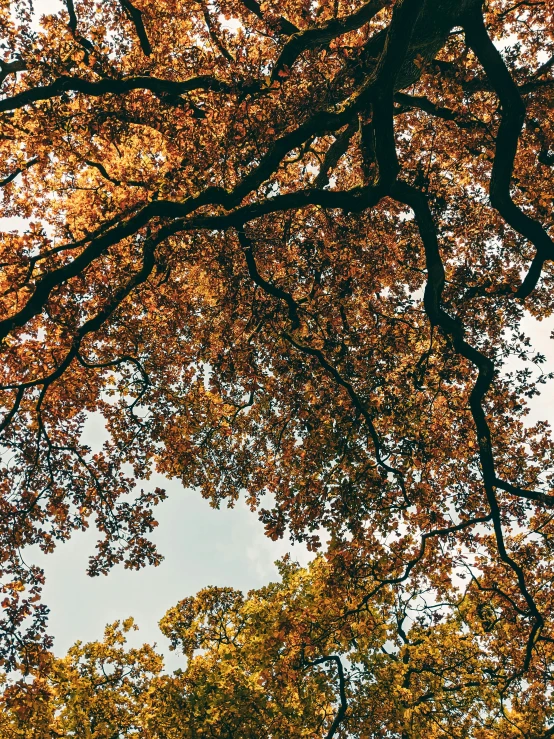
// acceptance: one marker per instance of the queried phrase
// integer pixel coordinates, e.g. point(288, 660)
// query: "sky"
point(202, 546)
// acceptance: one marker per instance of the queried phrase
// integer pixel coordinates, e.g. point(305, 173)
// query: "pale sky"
point(202, 546)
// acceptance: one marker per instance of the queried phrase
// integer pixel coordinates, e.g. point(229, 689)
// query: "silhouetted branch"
point(213, 35)
point(135, 16)
point(513, 116)
point(343, 707)
point(11, 177)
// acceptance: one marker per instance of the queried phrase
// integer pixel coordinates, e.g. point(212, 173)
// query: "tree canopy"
point(283, 662)
point(285, 250)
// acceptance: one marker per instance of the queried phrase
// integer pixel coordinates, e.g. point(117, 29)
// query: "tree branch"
point(321, 36)
point(513, 116)
point(135, 16)
point(11, 177)
point(111, 86)
point(284, 26)
point(213, 35)
point(485, 366)
point(341, 713)
point(268, 287)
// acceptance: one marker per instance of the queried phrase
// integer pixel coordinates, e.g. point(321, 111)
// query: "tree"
point(286, 250)
point(284, 662)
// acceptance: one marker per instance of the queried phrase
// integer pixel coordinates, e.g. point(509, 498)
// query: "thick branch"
point(334, 153)
point(69, 4)
point(6, 68)
point(284, 26)
point(114, 87)
point(535, 495)
point(513, 116)
point(211, 196)
point(321, 36)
